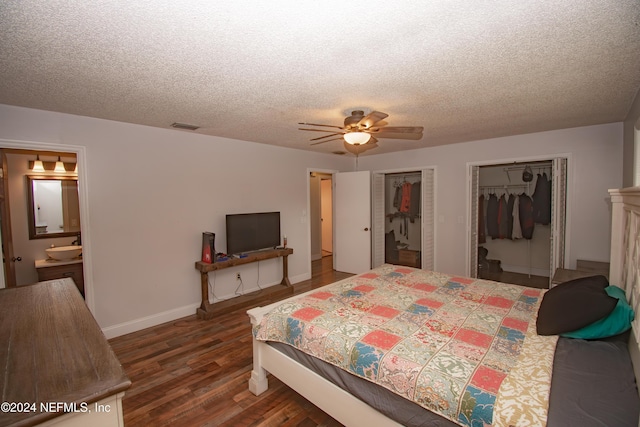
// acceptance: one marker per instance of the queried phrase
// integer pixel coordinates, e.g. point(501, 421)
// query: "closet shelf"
point(401, 215)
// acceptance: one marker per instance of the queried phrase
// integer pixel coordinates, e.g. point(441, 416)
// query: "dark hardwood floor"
point(193, 372)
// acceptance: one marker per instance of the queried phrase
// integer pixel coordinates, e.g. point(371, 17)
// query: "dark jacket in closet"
point(482, 235)
point(542, 200)
point(503, 218)
point(527, 224)
point(414, 207)
point(492, 217)
point(510, 203)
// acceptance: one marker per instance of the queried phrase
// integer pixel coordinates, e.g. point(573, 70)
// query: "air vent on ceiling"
point(184, 126)
point(339, 153)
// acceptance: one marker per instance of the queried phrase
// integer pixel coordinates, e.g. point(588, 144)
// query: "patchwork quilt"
point(464, 348)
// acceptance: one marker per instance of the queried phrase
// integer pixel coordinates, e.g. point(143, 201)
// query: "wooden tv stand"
point(272, 293)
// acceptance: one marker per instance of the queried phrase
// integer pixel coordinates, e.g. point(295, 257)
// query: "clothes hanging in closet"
point(516, 232)
point(510, 202)
point(503, 218)
point(397, 197)
point(405, 203)
point(492, 217)
point(414, 204)
point(526, 215)
point(542, 200)
point(482, 236)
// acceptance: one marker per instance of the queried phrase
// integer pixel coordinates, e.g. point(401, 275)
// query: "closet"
point(519, 221)
point(403, 237)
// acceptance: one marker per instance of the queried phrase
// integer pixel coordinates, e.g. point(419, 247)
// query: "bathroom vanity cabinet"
point(49, 269)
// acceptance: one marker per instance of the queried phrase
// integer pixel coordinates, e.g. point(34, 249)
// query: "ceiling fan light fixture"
point(357, 138)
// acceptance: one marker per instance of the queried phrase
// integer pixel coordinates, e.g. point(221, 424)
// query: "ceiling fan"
point(360, 131)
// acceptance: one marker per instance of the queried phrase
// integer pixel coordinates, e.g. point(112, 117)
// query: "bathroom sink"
point(62, 253)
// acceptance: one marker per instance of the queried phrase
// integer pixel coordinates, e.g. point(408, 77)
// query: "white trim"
point(149, 321)
point(83, 194)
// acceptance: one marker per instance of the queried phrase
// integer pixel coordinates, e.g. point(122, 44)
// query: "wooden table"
point(208, 310)
point(54, 359)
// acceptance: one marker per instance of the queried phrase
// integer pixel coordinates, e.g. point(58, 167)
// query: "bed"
point(403, 346)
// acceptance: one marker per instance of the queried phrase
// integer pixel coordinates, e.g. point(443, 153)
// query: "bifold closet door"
point(558, 215)
point(428, 219)
point(474, 191)
point(378, 216)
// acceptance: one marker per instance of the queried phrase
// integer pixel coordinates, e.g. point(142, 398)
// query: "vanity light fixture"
point(40, 166)
point(37, 165)
point(59, 166)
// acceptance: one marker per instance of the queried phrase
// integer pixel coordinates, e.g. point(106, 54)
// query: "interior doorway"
point(321, 214)
point(81, 159)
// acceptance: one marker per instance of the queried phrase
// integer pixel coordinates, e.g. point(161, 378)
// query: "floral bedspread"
point(450, 344)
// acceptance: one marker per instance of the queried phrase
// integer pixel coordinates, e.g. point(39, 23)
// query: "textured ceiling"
point(251, 70)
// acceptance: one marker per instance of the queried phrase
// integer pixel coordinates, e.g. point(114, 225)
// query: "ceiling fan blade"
point(326, 140)
point(398, 129)
point(316, 124)
point(373, 141)
point(370, 119)
point(326, 136)
point(394, 135)
point(318, 130)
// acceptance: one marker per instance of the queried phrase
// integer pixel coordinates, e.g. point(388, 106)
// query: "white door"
point(326, 211)
point(558, 214)
point(352, 221)
point(474, 191)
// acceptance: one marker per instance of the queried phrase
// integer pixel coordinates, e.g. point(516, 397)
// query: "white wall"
point(594, 165)
point(151, 192)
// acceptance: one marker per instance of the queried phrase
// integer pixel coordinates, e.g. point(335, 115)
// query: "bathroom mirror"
point(53, 206)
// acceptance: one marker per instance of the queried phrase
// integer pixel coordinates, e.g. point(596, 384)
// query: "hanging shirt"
point(526, 216)
point(406, 197)
point(414, 204)
point(510, 203)
point(397, 198)
point(542, 200)
point(492, 217)
point(516, 233)
point(503, 217)
point(482, 236)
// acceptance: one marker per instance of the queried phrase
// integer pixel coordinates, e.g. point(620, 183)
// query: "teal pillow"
point(617, 322)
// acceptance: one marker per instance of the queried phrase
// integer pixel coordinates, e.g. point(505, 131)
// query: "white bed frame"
point(350, 411)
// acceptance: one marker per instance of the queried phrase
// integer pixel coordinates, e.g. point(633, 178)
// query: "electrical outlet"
point(238, 276)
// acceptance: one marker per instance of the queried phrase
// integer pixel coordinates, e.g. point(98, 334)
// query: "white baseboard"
point(149, 321)
point(176, 313)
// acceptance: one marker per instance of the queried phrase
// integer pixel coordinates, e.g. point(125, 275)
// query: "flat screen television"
point(252, 232)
